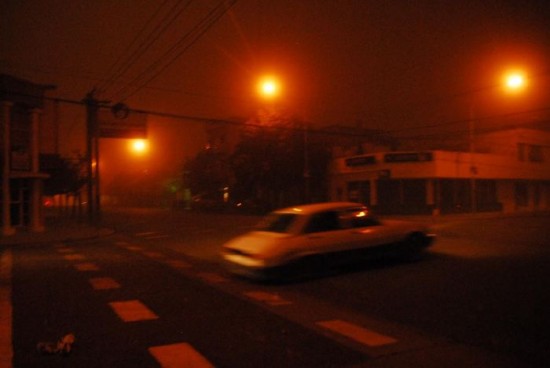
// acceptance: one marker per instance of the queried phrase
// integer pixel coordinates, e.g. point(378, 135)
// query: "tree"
point(208, 174)
point(269, 163)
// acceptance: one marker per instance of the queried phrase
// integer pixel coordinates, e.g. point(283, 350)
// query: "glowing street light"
point(269, 87)
point(139, 146)
point(515, 81)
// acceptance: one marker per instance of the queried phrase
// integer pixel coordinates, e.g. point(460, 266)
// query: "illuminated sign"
point(360, 161)
point(408, 157)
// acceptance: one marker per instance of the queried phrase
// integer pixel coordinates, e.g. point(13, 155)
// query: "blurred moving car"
point(320, 235)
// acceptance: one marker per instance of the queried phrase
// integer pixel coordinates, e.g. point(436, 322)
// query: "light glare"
point(515, 81)
point(138, 146)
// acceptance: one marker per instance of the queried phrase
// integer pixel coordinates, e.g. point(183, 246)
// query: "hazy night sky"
point(388, 64)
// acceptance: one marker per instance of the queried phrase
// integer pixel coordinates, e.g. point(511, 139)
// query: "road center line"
point(357, 333)
point(180, 355)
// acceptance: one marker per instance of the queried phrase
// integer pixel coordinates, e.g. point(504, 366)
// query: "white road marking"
point(6, 350)
point(86, 266)
point(104, 283)
point(180, 355)
point(146, 233)
point(357, 333)
point(74, 257)
point(268, 298)
point(132, 311)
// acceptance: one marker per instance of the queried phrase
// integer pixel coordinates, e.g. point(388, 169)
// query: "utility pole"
point(92, 156)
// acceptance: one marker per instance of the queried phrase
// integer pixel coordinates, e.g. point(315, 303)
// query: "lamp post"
point(514, 81)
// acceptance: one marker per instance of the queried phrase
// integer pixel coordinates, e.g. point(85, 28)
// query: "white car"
point(320, 235)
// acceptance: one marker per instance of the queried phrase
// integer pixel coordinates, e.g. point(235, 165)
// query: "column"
point(432, 196)
point(373, 192)
point(5, 119)
point(36, 194)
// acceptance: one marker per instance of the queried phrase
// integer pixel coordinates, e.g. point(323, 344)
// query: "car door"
point(365, 230)
point(325, 233)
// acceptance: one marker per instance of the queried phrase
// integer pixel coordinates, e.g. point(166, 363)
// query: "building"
point(506, 171)
point(21, 104)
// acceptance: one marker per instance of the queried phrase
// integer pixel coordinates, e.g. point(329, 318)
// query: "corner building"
point(509, 171)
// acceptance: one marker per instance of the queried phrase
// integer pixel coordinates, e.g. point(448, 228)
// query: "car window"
point(277, 222)
point(323, 221)
point(356, 218)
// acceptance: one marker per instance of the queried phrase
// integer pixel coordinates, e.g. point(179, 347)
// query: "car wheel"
point(413, 246)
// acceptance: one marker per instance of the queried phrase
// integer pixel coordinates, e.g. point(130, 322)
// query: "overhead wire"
point(178, 49)
point(117, 66)
point(154, 35)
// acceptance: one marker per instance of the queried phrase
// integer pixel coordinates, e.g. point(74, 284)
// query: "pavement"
point(66, 229)
point(59, 229)
point(56, 230)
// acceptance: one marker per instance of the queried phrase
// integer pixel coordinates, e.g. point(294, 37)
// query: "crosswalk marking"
point(74, 257)
point(86, 266)
point(180, 355)
point(268, 298)
point(132, 311)
point(357, 333)
point(103, 283)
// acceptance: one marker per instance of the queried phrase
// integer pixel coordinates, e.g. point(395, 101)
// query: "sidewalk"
point(56, 230)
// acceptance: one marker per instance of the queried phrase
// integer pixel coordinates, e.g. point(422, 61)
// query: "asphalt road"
point(155, 291)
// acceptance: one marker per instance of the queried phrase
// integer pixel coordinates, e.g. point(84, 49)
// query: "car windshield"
point(277, 222)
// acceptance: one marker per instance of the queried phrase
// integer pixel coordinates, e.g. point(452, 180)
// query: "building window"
point(530, 152)
point(535, 153)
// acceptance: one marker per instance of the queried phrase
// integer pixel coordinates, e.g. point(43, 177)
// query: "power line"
point(168, 19)
point(188, 40)
point(115, 67)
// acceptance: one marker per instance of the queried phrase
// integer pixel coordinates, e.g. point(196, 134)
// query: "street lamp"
point(269, 87)
point(139, 146)
point(514, 81)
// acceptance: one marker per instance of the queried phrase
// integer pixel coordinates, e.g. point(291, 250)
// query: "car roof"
point(317, 207)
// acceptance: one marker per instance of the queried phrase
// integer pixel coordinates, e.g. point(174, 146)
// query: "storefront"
point(442, 182)
point(22, 181)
